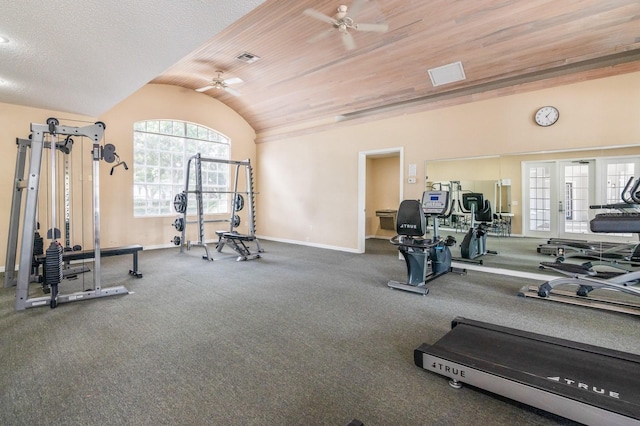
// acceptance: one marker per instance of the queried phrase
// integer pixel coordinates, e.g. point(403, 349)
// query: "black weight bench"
point(237, 243)
point(68, 256)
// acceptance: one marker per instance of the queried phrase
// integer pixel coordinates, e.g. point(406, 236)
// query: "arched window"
point(161, 149)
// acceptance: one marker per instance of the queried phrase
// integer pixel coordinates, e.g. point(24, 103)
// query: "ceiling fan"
point(220, 84)
point(343, 22)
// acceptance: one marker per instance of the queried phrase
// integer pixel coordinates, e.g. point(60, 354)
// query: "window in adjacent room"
point(161, 149)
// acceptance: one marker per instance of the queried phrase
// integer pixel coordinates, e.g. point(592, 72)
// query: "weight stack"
point(53, 267)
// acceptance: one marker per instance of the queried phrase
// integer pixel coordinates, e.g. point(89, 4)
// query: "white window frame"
point(161, 148)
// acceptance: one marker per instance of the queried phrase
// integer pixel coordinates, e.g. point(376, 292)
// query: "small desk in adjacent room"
point(387, 218)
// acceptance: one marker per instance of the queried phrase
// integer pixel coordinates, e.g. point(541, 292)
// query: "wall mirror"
point(535, 197)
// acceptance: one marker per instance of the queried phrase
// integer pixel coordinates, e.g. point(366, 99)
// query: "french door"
point(539, 199)
point(557, 195)
point(576, 194)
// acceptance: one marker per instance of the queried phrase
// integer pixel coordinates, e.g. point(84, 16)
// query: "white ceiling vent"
point(447, 74)
point(247, 57)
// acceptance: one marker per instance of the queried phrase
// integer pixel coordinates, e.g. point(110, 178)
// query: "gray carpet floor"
point(302, 336)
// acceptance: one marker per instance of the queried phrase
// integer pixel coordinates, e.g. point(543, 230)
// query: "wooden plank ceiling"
point(298, 85)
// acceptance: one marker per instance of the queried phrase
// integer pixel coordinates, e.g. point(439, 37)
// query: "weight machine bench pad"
point(68, 256)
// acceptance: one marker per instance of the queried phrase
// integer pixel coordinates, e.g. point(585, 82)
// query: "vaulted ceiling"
point(298, 84)
point(86, 56)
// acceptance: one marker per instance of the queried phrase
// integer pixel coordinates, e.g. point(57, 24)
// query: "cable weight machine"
point(237, 241)
point(53, 261)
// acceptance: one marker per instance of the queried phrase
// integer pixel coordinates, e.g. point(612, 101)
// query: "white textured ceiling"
point(85, 56)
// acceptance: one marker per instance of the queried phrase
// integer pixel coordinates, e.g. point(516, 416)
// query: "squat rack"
point(180, 204)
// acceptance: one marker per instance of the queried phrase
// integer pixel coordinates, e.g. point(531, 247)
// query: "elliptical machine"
point(426, 259)
point(474, 243)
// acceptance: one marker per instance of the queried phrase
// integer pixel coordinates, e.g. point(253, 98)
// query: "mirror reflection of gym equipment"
point(55, 259)
point(481, 216)
point(620, 261)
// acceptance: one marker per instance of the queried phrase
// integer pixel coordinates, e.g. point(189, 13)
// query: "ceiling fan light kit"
point(220, 84)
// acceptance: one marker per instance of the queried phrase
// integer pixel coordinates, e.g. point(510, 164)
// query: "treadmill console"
point(435, 202)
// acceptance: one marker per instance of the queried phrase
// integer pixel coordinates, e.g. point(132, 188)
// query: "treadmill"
point(584, 383)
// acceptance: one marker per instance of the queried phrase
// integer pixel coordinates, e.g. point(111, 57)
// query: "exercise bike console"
point(435, 202)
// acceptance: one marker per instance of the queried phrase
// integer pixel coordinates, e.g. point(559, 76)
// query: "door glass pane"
point(617, 176)
point(539, 203)
point(576, 198)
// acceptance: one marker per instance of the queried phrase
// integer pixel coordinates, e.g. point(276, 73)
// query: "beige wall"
point(156, 101)
point(15, 122)
point(308, 185)
point(315, 177)
point(118, 226)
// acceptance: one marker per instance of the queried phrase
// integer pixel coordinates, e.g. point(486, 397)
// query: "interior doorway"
point(380, 187)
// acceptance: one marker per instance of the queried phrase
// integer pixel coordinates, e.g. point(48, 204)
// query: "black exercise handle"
point(426, 245)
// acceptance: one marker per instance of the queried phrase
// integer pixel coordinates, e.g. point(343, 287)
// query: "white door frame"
point(362, 187)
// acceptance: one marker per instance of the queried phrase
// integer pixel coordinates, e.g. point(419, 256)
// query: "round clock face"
point(547, 115)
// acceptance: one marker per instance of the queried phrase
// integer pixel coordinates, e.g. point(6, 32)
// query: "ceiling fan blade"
point(204, 89)
point(355, 8)
point(380, 28)
point(320, 36)
point(232, 91)
point(319, 15)
point(234, 80)
point(348, 41)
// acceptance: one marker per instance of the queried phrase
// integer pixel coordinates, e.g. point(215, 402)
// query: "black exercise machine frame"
point(426, 259)
point(474, 243)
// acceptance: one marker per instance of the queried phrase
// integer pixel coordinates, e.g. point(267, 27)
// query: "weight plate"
point(180, 202)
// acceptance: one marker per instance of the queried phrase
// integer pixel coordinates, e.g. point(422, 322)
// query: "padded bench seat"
point(237, 242)
point(68, 256)
point(235, 236)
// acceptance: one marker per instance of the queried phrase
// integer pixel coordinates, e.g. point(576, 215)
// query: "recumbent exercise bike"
point(474, 243)
point(426, 259)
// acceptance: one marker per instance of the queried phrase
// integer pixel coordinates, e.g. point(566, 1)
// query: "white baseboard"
point(305, 243)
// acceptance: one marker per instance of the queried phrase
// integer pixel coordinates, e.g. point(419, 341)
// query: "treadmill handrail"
point(623, 194)
point(634, 192)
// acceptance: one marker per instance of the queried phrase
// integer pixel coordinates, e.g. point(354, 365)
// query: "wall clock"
point(546, 116)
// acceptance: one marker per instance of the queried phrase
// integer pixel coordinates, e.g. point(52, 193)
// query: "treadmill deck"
point(581, 382)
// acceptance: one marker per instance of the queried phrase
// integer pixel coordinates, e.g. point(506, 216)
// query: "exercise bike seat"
point(485, 215)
